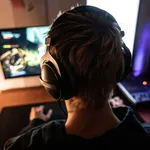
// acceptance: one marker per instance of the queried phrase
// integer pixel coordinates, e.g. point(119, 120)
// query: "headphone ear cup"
point(125, 67)
point(50, 79)
point(70, 79)
point(127, 59)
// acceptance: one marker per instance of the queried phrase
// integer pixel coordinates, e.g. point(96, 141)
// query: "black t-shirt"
point(45, 136)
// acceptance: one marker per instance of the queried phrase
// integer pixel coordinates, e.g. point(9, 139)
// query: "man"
point(84, 56)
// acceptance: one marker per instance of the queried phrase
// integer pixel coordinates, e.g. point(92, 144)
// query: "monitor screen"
point(126, 14)
point(21, 50)
point(141, 61)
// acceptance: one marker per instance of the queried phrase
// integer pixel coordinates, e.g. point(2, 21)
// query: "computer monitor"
point(136, 86)
point(126, 14)
point(141, 59)
point(20, 52)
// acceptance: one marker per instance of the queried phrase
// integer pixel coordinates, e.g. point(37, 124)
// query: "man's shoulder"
point(40, 135)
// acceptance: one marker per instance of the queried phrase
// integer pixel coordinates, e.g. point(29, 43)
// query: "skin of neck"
point(89, 122)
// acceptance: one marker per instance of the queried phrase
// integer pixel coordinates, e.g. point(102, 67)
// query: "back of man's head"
point(93, 48)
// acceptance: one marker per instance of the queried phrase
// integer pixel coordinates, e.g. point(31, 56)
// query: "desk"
point(25, 96)
point(14, 119)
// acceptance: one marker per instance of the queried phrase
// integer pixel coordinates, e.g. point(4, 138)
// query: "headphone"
point(57, 75)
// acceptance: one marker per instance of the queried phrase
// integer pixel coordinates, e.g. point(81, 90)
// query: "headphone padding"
point(127, 61)
point(50, 79)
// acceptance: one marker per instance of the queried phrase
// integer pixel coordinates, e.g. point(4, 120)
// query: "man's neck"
point(90, 123)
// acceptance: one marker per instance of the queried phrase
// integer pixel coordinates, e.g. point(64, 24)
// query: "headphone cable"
point(60, 105)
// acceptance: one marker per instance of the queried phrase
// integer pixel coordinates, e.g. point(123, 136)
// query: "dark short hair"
point(93, 48)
